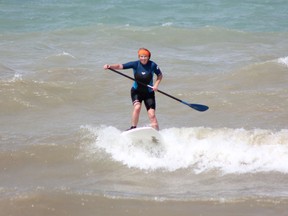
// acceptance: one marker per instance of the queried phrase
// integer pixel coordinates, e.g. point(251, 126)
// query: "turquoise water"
point(255, 16)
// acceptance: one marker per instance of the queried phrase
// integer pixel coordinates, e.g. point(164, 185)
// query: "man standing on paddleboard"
point(143, 88)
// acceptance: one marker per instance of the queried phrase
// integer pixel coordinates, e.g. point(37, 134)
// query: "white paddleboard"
point(143, 134)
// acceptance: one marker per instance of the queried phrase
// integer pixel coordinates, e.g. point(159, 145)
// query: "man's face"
point(143, 59)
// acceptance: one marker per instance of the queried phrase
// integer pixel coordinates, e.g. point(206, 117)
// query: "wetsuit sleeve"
point(157, 70)
point(129, 65)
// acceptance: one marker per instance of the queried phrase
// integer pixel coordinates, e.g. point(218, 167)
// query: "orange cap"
point(143, 51)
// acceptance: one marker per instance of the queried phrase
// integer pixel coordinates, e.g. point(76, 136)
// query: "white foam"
point(283, 61)
point(200, 150)
point(63, 55)
point(66, 54)
point(15, 78)
point(167, 24)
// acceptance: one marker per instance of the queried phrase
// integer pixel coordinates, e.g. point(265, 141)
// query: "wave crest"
point(199, 150)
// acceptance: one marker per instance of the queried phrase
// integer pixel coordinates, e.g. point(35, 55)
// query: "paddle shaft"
point(197, 107)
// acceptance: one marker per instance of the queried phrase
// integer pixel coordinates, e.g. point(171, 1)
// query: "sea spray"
point(200, 150)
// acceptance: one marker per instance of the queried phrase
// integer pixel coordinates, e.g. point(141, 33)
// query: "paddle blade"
point(199, 107)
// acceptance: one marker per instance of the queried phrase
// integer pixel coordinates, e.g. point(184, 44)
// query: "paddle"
point(198, 107)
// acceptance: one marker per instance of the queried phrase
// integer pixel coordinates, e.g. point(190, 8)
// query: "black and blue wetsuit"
point(143, 74)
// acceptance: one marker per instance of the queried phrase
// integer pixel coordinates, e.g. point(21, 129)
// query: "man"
point(143, 69)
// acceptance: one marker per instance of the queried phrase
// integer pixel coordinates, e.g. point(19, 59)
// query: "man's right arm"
point(113, 66)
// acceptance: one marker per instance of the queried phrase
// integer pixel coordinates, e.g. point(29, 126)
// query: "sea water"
point(61, 114)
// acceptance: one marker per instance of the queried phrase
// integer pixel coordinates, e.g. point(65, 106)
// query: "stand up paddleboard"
point(143, 134)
